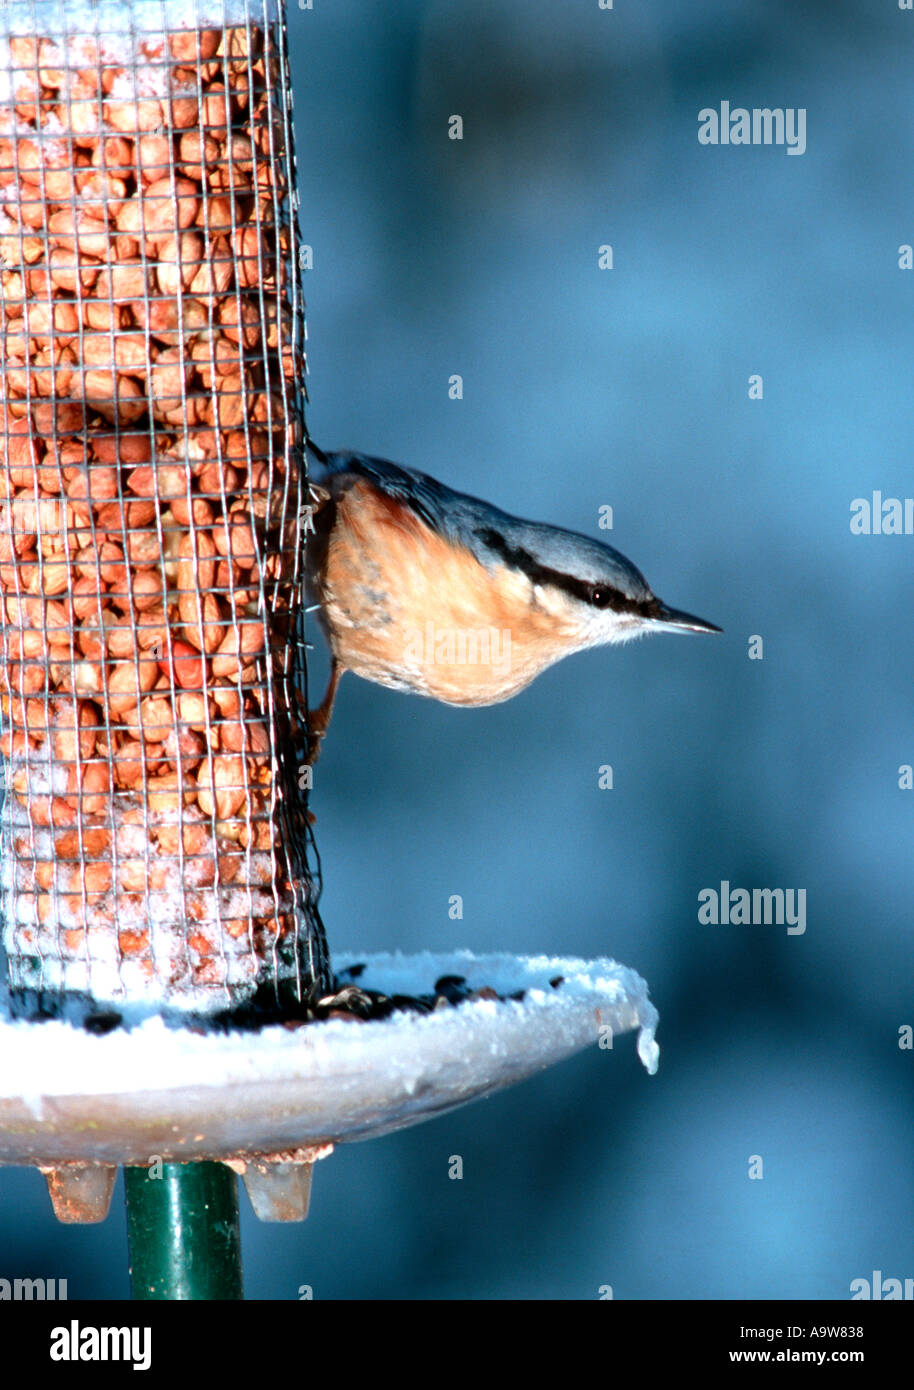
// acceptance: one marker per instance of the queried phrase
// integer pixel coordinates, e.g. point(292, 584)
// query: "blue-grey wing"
point(454, 514)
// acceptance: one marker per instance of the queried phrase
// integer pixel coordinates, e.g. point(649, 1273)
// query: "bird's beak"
point(664, 619)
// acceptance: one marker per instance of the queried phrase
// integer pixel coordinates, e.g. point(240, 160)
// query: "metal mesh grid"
point(154, 834)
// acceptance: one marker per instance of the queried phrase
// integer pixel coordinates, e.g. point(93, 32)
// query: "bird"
point(421, 588)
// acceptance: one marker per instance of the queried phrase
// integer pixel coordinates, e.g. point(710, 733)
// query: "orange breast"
point(409, 609)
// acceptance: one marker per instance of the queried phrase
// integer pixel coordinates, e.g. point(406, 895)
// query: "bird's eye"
point(600, 598)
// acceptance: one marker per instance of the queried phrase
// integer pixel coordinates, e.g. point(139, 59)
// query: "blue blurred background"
point(627, 387)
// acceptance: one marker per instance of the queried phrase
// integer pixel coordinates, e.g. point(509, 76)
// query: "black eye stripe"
point(518, 558)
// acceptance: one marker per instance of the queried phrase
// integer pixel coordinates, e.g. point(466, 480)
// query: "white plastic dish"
point(67, 1095)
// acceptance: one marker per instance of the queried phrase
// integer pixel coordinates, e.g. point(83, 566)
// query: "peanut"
point(222, 787)
point(241, 642)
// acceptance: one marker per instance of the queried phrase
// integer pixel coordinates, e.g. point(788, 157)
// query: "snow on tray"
point(69, 1095)
point(59, 1059)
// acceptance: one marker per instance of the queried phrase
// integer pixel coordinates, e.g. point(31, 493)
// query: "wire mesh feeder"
point(152, 505)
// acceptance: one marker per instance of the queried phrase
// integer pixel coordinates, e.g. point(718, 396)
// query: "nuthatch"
point(424, 589)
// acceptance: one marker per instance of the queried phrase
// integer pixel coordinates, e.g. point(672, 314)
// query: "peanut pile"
point(148, 517)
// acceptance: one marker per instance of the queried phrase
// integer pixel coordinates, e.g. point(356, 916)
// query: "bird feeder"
point(156, 857)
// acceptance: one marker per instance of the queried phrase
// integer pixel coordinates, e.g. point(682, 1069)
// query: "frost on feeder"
point(154, 835)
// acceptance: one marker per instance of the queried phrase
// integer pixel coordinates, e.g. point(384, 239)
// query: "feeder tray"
point(273, 1102)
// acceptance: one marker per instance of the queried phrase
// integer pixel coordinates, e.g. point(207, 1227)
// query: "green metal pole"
point(182, 1231)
